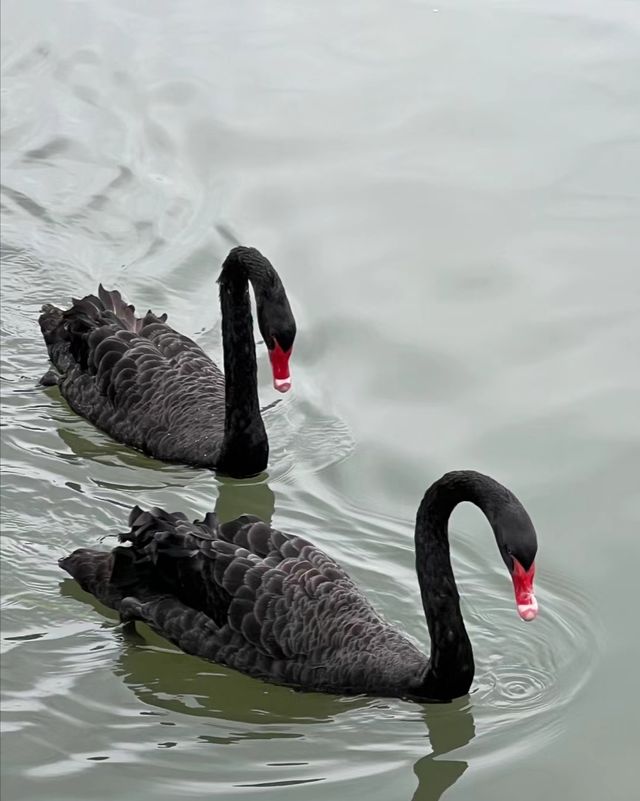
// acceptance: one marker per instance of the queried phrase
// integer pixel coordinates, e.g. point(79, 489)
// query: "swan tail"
point(121, 580)
point(56, 340)
point(108, 575)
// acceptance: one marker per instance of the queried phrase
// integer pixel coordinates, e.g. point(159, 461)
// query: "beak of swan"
point(526, 602)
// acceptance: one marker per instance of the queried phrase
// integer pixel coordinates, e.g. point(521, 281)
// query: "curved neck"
point(451, 668)
point(245, 448)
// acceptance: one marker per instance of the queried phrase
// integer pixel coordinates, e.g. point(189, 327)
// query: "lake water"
point(450, 192)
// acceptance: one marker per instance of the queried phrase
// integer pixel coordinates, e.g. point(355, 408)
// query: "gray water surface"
point(450, 193)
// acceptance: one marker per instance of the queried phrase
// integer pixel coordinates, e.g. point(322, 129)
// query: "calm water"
point(450, 192)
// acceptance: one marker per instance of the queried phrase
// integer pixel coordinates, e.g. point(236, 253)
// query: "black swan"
point(276, 607)
point(154, 389)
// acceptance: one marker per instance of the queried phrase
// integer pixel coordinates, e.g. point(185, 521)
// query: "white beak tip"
point(282, 384)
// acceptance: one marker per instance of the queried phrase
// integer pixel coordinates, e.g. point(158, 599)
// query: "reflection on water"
point(166, 679)
point(252, 496)
point(451, 726)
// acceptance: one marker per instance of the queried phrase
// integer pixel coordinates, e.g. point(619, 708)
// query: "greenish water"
point(450, 193)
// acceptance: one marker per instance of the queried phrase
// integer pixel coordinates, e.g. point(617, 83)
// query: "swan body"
point(276, 607)
point(154, 389)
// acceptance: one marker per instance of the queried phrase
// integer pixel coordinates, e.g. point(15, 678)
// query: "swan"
point(278, 608)
point(154, 389)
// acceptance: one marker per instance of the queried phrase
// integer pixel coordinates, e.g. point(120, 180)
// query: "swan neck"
point(244, 448)
point(451, 667)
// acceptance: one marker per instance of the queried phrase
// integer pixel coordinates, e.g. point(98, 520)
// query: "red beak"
point(523, 586)
point(280, 366)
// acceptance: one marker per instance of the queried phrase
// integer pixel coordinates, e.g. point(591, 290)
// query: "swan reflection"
point(450, 726)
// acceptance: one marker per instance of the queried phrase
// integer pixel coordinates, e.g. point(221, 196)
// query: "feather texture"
point(139, 380)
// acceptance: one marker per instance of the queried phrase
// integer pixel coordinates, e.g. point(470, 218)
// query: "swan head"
point(275, 319)
point(278, 328)
point(518, 545)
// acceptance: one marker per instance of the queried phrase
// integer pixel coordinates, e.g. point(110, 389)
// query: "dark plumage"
point(154, 389)
point(276, 607)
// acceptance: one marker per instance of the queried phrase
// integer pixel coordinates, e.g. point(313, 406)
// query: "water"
point(450, 193)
